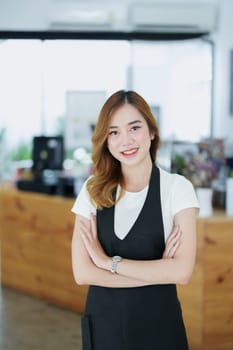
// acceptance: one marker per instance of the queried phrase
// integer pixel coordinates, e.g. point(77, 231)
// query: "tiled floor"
point(30, 324)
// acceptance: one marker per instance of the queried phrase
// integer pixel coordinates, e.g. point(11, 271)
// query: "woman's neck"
point(135, 179)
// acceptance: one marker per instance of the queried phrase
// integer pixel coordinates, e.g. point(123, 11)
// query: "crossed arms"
point(91, 265)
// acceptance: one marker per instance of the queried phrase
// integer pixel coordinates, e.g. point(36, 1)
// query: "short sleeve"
point(83, 205)
point(183, 195)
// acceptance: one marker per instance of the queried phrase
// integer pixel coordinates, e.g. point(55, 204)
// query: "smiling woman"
point(134, 237)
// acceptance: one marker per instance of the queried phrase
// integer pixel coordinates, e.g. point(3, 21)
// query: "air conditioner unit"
point(173, 17)
point(68, 16)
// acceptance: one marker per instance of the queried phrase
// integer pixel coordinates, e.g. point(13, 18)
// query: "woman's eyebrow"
point(135, 122)
point(130, 123)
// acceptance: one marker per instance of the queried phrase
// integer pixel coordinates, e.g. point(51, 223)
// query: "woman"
point(121, 245)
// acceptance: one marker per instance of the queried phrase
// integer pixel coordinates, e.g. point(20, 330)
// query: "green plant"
point(22, 152)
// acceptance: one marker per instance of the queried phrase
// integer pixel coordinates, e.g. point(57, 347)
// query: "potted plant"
point(202, 168)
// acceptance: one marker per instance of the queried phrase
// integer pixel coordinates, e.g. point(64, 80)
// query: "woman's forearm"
point(135, 273)
point(163, 271)
point(92, 275)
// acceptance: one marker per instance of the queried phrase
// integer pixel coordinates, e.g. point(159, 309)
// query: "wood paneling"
point(36, 233)
point(218, 297)
point(191, 298)
point(207, 301)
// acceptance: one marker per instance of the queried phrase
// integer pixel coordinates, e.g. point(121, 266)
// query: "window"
point(38, 76)
point(176, 78)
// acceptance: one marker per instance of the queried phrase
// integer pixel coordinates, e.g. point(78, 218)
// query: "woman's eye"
point(112, 133)
point(134, 128)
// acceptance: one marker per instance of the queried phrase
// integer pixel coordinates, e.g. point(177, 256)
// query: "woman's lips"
point(129, 152)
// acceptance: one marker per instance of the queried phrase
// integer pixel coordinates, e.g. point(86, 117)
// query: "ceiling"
point(109, 16)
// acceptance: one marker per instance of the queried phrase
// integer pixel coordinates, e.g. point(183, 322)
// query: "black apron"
point(141, 318)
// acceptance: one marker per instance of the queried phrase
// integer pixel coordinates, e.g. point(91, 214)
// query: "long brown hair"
point(107, 169)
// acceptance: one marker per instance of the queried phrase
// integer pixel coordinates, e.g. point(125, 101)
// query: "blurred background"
point(59, 61)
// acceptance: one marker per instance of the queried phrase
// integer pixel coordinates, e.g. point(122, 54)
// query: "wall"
point(23, 15)
point(223, 39)
point(38, 16)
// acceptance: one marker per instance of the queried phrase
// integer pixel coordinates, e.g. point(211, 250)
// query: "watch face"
point(115, 260)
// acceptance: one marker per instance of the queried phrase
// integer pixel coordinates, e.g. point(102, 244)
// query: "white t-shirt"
point(176, 193)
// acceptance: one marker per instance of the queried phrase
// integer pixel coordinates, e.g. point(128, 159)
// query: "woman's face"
point(129, 138)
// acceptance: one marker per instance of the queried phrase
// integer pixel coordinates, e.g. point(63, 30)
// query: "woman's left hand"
point(172, 243)
point(90, 239)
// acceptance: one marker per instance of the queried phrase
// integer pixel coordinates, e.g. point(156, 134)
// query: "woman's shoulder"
point(83, 204)
point(170, 179)
point(179, 190)
point(173, 184)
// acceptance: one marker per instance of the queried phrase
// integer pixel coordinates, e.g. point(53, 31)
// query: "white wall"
point(223, 121)
point(39, 15)
point(24, 15)
point(36, 16)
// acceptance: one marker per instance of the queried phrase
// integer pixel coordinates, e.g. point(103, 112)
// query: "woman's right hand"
point(172, 243)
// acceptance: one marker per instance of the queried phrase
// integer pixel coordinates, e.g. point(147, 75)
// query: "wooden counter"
point(36, 232)
point(207, 301)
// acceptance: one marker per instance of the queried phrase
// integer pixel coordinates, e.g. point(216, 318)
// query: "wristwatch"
point(115, 260)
